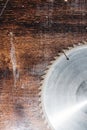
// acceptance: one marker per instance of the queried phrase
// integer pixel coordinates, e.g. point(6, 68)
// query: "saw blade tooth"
point(45, 72)
point(51, 62)
point(42, 77)
point(40, 105)
point(43, 117)
point(61, 53)
point(48, 66)
point(39, 94)
point(66, 48)
point(40, 88)
point(40, 102)
point(48, 127)
point(74, 45)
point(80, 43)
point(45, 122)
point(41, 82)
point(41, 112)
point(70, 47)
point(47, 69)
point(56, 57)
point(84, 42)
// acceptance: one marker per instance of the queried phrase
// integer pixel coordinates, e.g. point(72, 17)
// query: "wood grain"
point(41, 29)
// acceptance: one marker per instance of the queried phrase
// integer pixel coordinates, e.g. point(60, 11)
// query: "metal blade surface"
point(64, 91)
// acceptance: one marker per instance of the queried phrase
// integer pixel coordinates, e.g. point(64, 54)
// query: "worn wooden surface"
point(41, 29)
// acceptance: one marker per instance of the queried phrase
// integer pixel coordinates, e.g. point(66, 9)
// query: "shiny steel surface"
point(64, 91)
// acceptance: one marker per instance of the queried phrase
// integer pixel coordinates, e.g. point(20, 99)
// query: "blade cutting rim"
point(50, 71)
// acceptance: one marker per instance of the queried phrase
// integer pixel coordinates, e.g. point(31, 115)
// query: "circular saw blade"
point(64, 91)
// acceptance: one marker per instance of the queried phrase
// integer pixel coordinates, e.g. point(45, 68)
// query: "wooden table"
point(41, 29)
